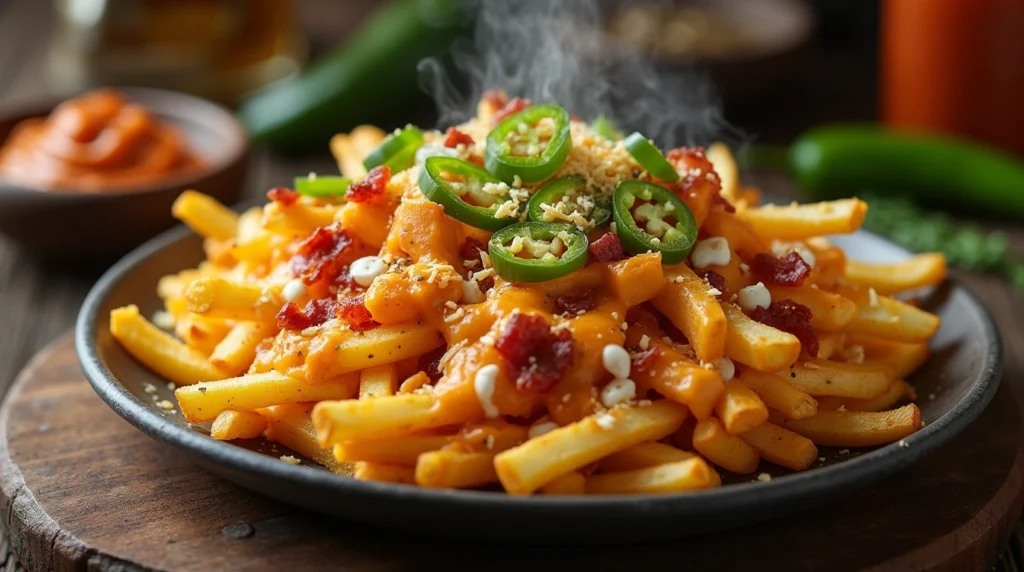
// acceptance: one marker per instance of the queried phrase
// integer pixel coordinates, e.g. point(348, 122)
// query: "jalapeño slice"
point(650, 158)
point(322, 186)
point(649, 217)
point(467, 192)
point(531, 144)
point(537, 251)
point(568, 195)
point(605, 128)
point(398, 150)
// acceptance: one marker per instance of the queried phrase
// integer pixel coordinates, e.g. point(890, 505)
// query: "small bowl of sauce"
point(89, 178)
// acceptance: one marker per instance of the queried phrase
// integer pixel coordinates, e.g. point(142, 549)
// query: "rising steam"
point(554, 51)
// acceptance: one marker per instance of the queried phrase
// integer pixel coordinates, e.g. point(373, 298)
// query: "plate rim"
point(794, 487)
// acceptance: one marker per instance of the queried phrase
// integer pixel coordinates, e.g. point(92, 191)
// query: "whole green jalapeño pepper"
point(398, 150)
point(649, 217)
point(531, 144)
point(562, 198)
point(467, 192)
point(537, 251)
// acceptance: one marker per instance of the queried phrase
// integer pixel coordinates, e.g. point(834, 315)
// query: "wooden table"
point(37, 302)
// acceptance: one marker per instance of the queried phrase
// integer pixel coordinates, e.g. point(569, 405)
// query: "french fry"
point(797, 222)
point(889, 319)
point(739, 408)
point(883, 401)
point(237, 350)
point(231, 425)
point(204, 401)
point(380, 346)
point(829, 343)
point(725, 166)
point(685, 301)
point(397, 451)
point(635, 279)
point(447, 469)
point(201, 332)
point(157, 350)
point(204, 215)
point(829, 312)
point(858, 428)
point(529, 466)
point(740, 234)
point(378, 381)
point(724, 449)
point(384, 473)
point(220, 298)
point(915, 272)
point(573, 483)
point(414, 382)
point(688, 475)
point(253, 243)
point(903, 357)
point(292, 426)
point(675, 375)
point(297, 219)
point(824, 377)
point(778, 394)
point(383, 417)
point(781, 446)
point(642, 456)
point(367, 221)
point(757, 345)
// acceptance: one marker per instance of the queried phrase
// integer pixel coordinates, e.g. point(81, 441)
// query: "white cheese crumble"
point(541, 429)
point(483, 383)
point(854, 354)
point(764, 477)
point(616, 360)
point(163, 320)
point(711, 252)
point(471, 292)
point(293, 290)
point(618, 391)
point(755, 296)
point(645, 342)
point(365, 269)
point(605, 421)
point(725, 368)
point(290, 459)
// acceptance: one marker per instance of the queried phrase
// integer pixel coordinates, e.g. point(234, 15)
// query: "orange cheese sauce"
point(96, 142)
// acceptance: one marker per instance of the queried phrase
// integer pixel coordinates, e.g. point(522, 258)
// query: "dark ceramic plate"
point(953, 387)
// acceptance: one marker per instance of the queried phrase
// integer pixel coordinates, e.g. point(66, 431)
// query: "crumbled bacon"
point(316, 312)
point(495, 97)
point(454, 137)
point(282, 196)
point(353, 311)
point(790, 270)
point(430, 363)
point(715, 280)
point(578, 303)
point(718, 199)
point(485, 284)
point(789, 316)
point(540, 355)
point(319, 256)
point(608, 248)
point(511, 108)
point(471, 248)
point(371, 187)
point(645, 360)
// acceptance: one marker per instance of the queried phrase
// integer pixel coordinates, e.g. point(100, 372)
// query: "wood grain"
point(80, 488)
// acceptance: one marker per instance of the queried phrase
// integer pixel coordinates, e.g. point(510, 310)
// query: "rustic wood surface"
point(37, 302)
point(83, 489)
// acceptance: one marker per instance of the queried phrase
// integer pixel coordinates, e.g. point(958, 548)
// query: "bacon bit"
point(694, 165)
point(371, 187)
point(353, 311)
point(645, 360)
point(471, 248)
point(316, 312)
point(541, 355)
point(715, 280)
point(319, 256)
point(511, 108)
point(790, 270)
point(454, 137)
point(789, 316)
point(430, 363)
point(582, 302)
point(496, 97)
point(608, 248)
point(718, 199)
point(486, 284)
point(282, 196)
point(344, 280)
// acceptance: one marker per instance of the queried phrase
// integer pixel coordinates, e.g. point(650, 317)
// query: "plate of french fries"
point(542, 324)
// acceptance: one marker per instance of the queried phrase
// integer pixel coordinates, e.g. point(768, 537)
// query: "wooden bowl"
point(68, 226)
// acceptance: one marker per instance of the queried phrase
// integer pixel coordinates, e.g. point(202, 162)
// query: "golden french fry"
point(881, 402)
point(344, 352)
point(220, 298)
point(448, 469)
point(378, 381)
point(526, 468)
point(635, 279)
point(728, 451)
point(205, 215)
point(778, 394)
point(573, 483)
point(292, 426)
point(642, 456)
point(396, 451)
point(903, 357)
point(921, 270)
point(204, 401)
point(384, 473)
point(231, 425)
point(824, 377)
point(687, 475)
point(739, 408)
point(829, 312)
point(858, 428)
point(201, 332)
point(382, 417)
point(676, 376)
point(800, 221)
point(237, 350)
point(728, 173)
point(757, 345)
point(781, 446)
point(829, 343)
point(160, 352)
point(685, 300)
point(296, 220)
point(889, 319)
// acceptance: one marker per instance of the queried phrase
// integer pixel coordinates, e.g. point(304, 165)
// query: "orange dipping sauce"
point(93, 143)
